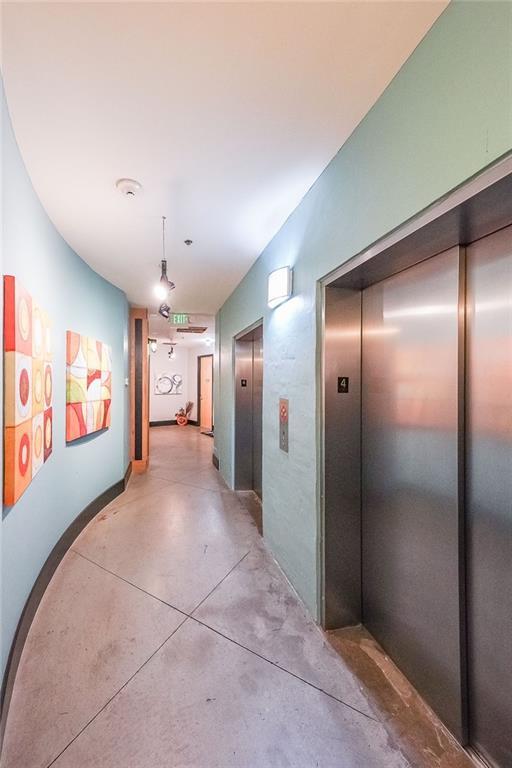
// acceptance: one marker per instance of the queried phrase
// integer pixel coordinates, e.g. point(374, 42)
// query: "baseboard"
point(40, 585)
point(171, 423)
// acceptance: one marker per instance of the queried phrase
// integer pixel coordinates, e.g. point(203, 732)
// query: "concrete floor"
point(170, 638)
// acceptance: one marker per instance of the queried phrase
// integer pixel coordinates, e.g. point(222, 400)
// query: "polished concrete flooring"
point(170, 638)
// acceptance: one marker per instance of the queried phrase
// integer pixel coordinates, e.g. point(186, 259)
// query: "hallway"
point(169, 637)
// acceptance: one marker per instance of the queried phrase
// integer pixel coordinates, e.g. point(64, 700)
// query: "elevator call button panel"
point(283, 424)
point(342, 385)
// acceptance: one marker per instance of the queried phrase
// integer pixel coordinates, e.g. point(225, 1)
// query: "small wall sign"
point(243, 382)
point(342, 385)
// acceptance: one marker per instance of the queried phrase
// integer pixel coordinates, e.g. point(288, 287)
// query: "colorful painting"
point(88, 386)
point(28, 389)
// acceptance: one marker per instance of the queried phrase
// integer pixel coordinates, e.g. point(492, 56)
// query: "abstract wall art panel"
point(37, 442)
point(28, 389)
point(93, 386)
point(76, 425)
point(38, 389)
point(48, 385)
point(17, 461)
point(106, 385)
point(48, 432)
point(76, 379)
point(88, 386)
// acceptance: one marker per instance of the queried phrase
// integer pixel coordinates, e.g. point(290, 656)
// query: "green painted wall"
point(445, 116)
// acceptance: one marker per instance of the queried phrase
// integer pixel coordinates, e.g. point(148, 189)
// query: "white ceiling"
point(225, 112)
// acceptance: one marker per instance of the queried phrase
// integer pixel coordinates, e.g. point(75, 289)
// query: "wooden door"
point(139, 390)
point(206, 393)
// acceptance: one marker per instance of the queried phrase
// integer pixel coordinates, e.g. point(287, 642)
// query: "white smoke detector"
point(128, 187)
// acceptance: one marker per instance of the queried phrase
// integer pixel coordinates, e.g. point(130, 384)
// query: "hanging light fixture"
point(164, 286)
point(164, 310)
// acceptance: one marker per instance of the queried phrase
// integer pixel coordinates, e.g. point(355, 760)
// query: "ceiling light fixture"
point(128, 187)
point(164, 310)
point(165, 285)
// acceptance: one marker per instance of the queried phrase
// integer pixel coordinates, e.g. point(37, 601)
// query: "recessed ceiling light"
point(128, 187)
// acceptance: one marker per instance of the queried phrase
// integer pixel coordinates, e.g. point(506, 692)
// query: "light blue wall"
point(445, 116)
point(77, 299)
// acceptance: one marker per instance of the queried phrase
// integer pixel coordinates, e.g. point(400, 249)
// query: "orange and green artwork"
point(28, 389)
point(88, 386)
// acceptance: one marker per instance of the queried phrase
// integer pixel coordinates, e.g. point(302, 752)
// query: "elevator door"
point(257, 415)
point(410, 471)
point(489, 495)
point(248, 411)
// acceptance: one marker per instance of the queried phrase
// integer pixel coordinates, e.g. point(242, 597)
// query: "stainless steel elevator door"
point(243, 414)
point(248, 411)
point(489, 495)
point(410, 474)
point(257, 415)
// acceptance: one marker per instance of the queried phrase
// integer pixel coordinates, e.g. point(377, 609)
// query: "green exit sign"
point(178, 318)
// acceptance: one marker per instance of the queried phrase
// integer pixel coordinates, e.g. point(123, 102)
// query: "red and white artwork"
point(28, 389)
point(88, 386)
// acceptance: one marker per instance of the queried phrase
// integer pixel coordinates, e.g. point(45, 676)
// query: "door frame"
point(199, 358)
point(247, 334)
point(477, 208)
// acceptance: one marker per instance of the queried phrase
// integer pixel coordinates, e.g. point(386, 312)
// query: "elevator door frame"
point(477, 208)
point(244, 476)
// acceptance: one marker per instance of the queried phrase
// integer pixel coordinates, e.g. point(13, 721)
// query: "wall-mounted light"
point(279, 286)
point(153, 344)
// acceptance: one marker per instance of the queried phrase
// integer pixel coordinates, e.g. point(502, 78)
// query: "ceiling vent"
point(192, 329)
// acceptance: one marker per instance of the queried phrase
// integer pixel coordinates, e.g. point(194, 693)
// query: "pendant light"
point(164, 310)
point(164, 286)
